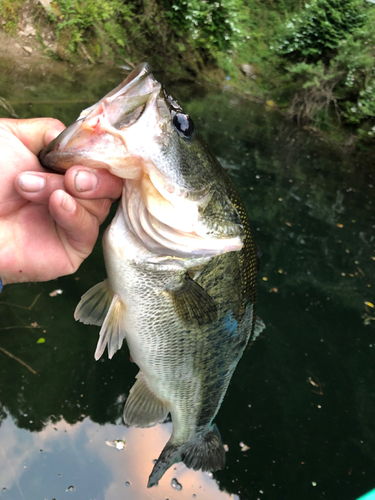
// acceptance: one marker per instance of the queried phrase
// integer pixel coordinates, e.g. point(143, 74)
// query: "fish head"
point(140, 133)
point(96, 138)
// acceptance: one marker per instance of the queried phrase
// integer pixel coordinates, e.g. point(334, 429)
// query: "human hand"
point(49, 223)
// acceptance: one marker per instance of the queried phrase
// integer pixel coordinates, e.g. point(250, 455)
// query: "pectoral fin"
point(143, 408)
point(94, 304)
point(100, 306)
point(192, 302)
point(112, 332)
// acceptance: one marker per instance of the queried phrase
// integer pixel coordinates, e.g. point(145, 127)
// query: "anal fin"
point(94, 304)
point(112, 332)
point(143, 408)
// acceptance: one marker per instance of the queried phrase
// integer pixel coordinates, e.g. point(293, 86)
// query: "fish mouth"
point(95, 139)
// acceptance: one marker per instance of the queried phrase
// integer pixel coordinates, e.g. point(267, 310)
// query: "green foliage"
point(9, 11)
point(211, 25)
point(364, 108)
point(314, 96)
point(355, 59)
point(79, 20)
point(318, 30)
point(315, 59)
point(193, 31)
point(332, 45)
point(314, 75)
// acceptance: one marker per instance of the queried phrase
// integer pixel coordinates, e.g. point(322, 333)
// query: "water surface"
point(298, 418)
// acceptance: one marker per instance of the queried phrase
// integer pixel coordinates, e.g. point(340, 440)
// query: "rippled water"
point(298, 418)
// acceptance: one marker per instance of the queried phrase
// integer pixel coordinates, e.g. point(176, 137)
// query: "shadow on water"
point(299, 414)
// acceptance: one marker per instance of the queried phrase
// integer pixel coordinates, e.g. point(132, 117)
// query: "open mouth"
point(96, 139)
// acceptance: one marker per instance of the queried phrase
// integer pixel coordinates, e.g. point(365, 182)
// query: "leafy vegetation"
point(191, 31)
point(87, 21)
point(314, 58)
point(317, 31)
point(9, 11)
point(211, 25)
point(329, 56)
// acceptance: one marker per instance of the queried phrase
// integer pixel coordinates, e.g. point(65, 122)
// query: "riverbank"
point(312, 63)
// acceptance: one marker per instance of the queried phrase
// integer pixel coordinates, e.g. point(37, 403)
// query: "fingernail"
point(85, 181)
point(31, 183)
point(67, 203)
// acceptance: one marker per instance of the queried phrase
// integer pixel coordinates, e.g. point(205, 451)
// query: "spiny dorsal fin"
point(192, 302)
point(94, 304)
point(143, 408)
point(112, 332)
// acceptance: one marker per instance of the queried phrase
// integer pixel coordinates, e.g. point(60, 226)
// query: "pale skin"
point(49, 222)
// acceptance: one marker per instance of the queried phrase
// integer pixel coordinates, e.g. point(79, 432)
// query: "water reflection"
point(77, 459)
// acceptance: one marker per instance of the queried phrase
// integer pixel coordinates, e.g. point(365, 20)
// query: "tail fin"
point(204, 451)
point(170, 455)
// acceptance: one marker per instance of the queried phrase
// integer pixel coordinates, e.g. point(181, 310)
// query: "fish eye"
point(184, 125)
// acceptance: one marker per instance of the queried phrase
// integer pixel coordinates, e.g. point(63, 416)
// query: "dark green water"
point(302, 399)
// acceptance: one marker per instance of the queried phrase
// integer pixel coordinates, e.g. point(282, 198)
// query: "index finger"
point(86, 183)
point(34, 133)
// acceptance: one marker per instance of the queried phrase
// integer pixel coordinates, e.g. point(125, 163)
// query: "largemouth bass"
point(181, 264)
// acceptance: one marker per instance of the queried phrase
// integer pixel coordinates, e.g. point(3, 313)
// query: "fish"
point(181, 264)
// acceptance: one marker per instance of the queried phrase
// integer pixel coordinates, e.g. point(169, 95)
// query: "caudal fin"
point(204, 451)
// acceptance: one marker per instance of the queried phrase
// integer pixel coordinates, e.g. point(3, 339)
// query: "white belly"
point(140, 285)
